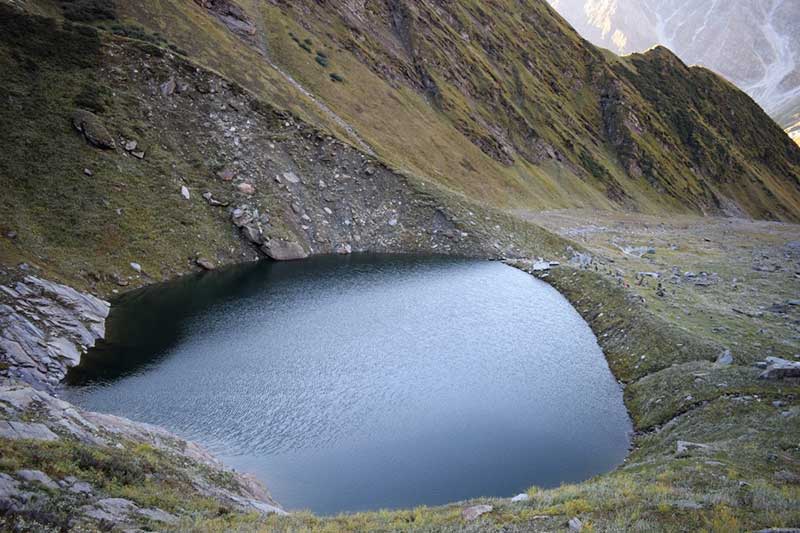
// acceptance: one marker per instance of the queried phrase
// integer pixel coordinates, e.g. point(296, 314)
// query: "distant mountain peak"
point(753, 43)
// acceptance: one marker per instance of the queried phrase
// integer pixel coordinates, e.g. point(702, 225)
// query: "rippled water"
point(352, 383)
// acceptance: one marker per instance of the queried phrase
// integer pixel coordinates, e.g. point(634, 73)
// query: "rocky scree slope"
point(504, 101)
point(191, 166)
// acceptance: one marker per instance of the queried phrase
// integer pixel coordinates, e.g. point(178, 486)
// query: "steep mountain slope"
point(499, 101)
point(753, 43)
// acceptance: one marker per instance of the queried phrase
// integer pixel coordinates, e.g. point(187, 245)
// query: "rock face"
point(44, 328)
point(754, 43)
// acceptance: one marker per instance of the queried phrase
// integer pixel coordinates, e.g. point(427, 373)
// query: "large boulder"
point(93, 129)
point(284, 250)
point(778, 368)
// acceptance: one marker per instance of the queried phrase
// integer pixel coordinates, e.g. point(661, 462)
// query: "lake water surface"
point(363, 382)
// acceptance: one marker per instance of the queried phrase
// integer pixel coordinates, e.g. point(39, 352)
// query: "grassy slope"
point(497, 87)
point(76, 227)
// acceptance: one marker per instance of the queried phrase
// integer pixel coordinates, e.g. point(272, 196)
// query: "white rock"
point(185, 192)
point(137, 267)
point(725, 358)
point(541, 266)
point(291, 177)
point(246, 188)
point(520, 498)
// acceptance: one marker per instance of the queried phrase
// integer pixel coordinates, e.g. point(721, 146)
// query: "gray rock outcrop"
point(777, 368)
point(47, 418)
point(44, 329)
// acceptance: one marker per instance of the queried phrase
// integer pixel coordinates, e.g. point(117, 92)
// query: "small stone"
point(205, 264)
point(88, 172)
point(344, 249)
point(130, 146)
point(328, 210)
point(168, 87)
point(185, 192)
point(291, 177)
point(684, 448)
point(213, 201)
point(11, 234)
point(472, 513)
point(575, 524)
point(226, 174)
point(246, 188)
point(136, 267)
point(523, 497)
point(138, 155)
point(541, 266)
point(393, 222)
point(725, 358)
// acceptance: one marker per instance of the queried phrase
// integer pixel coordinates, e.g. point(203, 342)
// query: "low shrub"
point(89, 10)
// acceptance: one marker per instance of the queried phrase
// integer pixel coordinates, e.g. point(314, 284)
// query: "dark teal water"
point(363, 382)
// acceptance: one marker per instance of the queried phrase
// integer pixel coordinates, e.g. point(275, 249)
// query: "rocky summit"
point(143, 141)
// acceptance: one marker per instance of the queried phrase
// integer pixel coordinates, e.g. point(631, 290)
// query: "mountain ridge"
point(471, 80)
point(753, 43)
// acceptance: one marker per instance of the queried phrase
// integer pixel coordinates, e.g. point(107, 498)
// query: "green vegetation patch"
point(89, 10)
